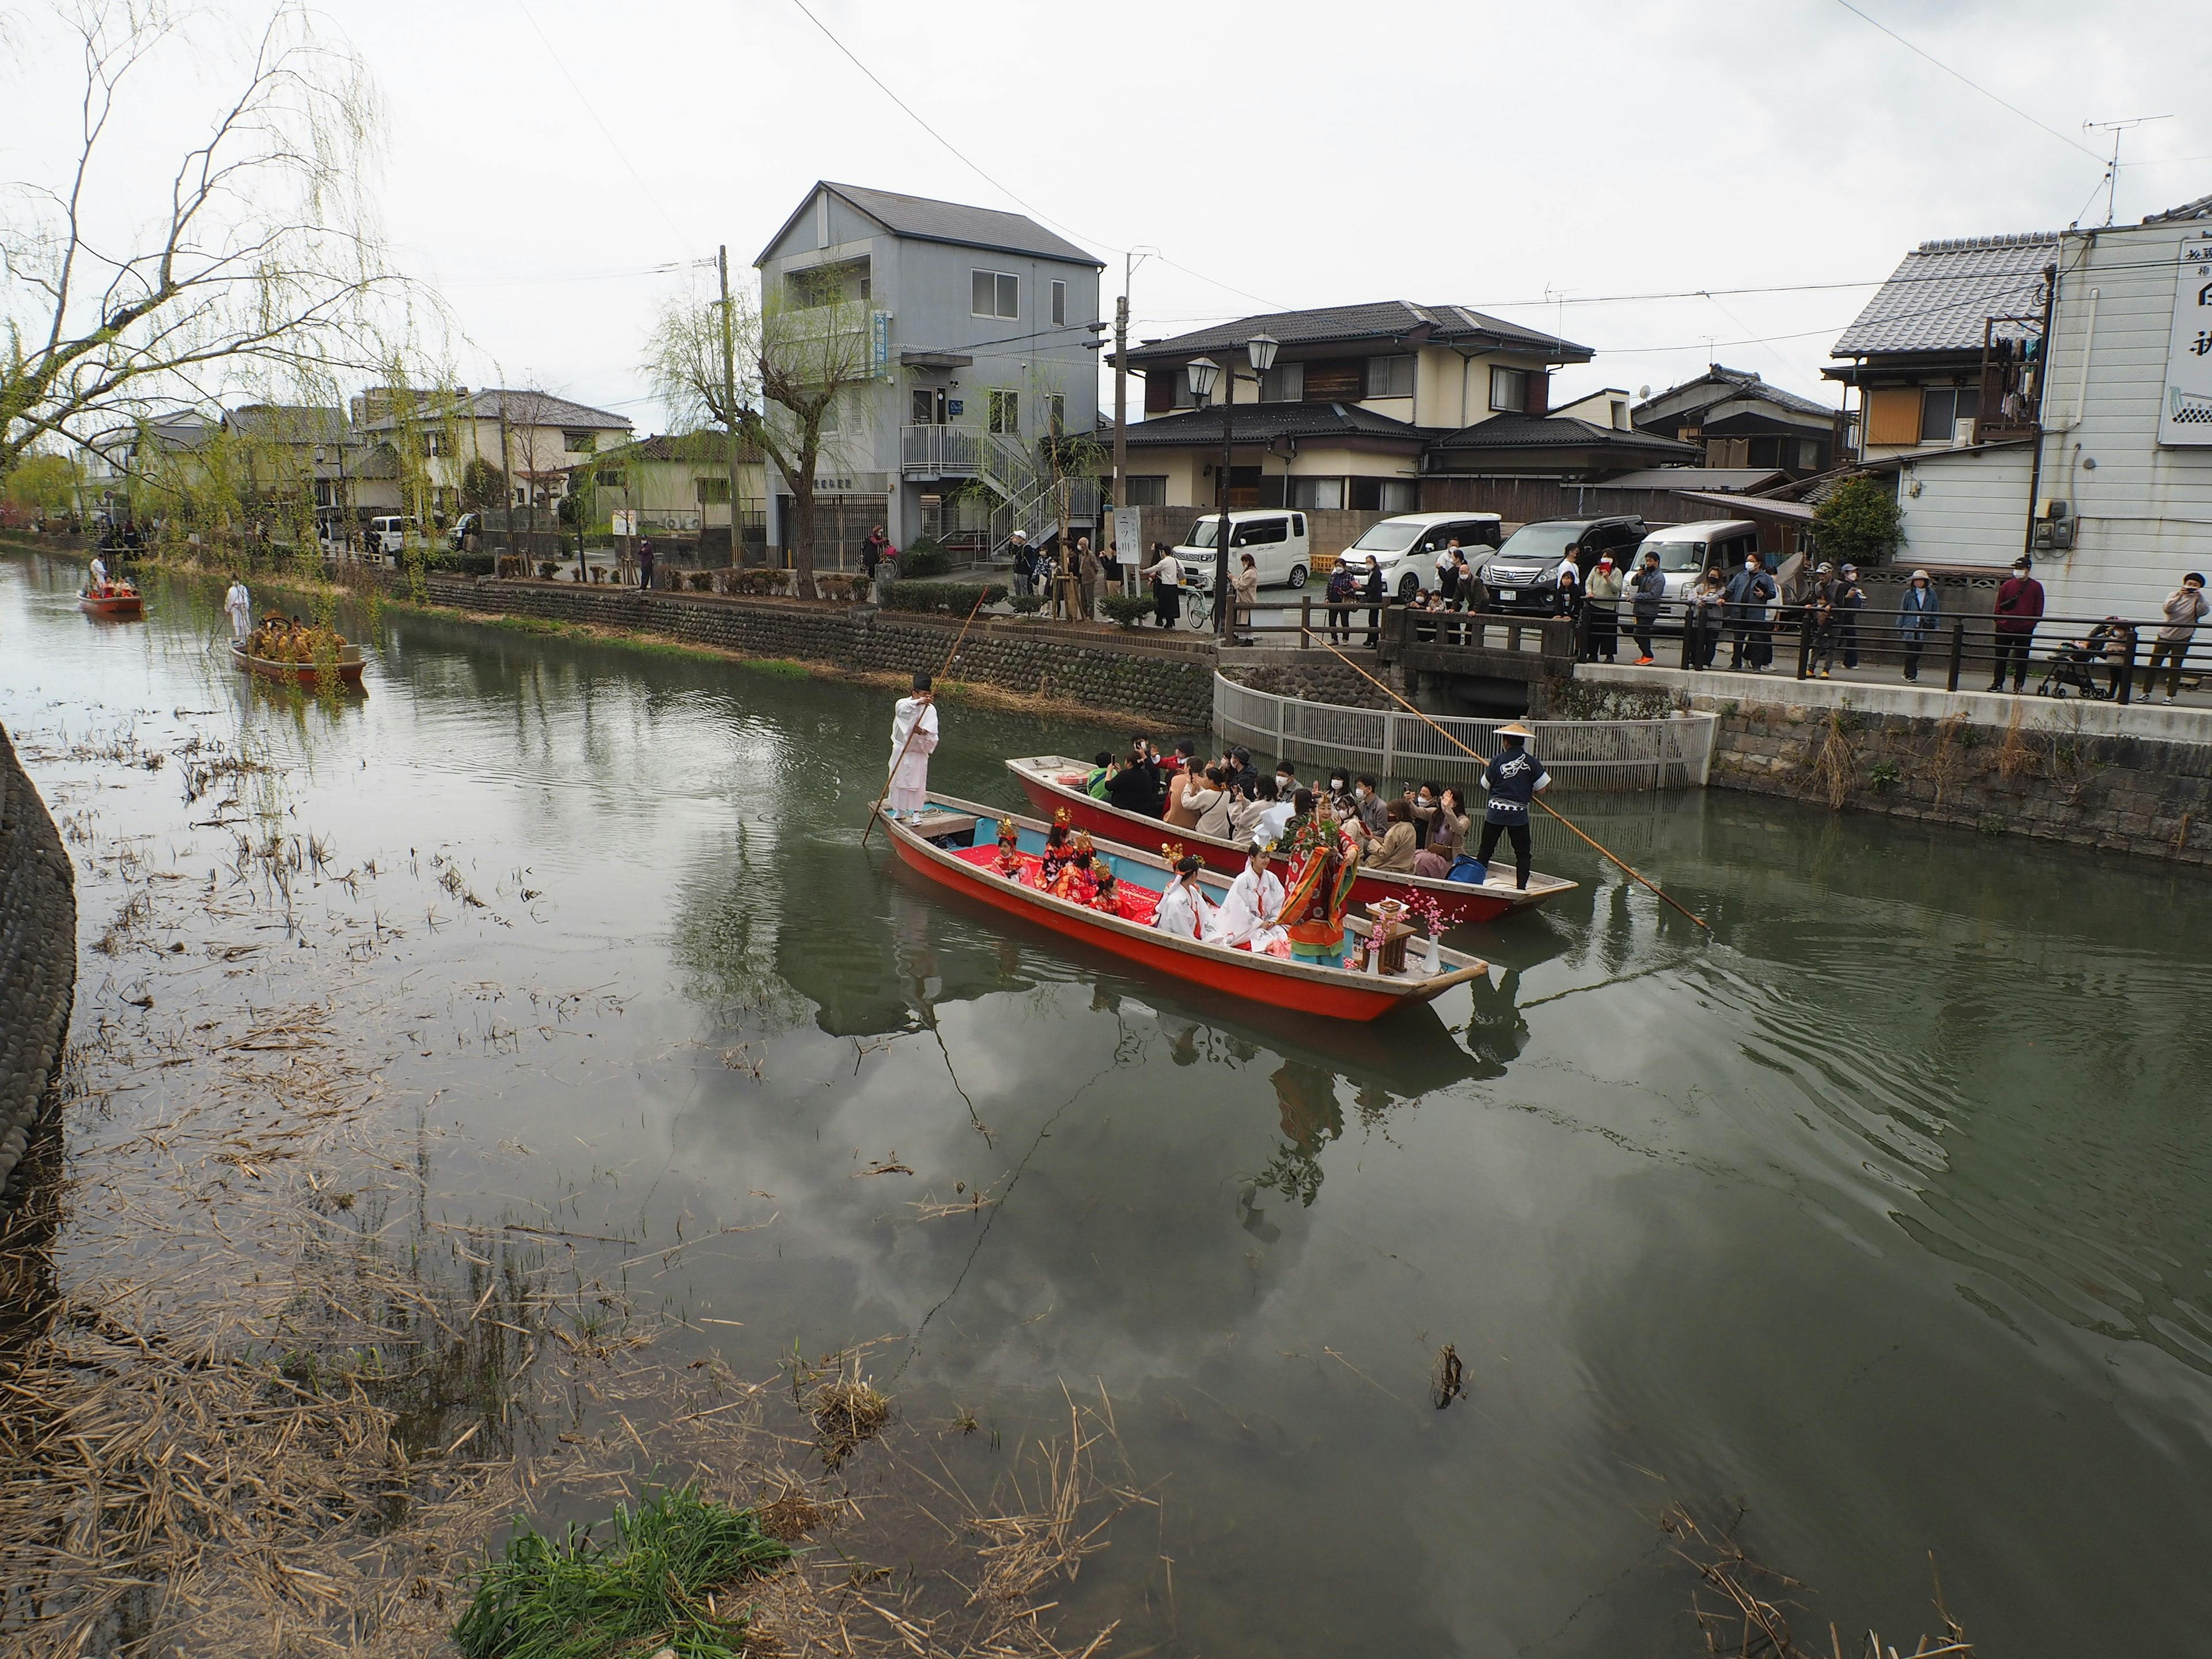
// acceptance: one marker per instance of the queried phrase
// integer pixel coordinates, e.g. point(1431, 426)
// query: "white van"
point(1274, 536)
point(1405, 545)
point(389, 536)
point(1686, 551)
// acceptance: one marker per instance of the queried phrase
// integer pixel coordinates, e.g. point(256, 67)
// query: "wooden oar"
point(876, 812)
point(1603, 850)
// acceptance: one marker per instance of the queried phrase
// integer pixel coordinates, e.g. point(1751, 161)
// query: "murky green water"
point(1884, 1212)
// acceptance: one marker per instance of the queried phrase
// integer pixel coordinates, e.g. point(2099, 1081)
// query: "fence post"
point(1389, 744)
point(1804, 640)
point(1958, 651)
point(2128, 674)
point(1305, 621)
point(1689, 638)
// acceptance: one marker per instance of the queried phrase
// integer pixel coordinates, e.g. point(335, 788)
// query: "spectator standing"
point(1342, 585)
point(1109, 568)
point(1244, 587)
point(872, 552)
point(1463, 594)
point(1447, 573)
point(2186, 607)
point(1603, 612)
point(1820, 620)
point(1851, 600)
point(1024, 562)
point(1166, 574)
point(1372, 591)
point(1916, 612)
point(1566, 591)
point(1650, 586)
point(1707, 602)
point(645, 562)
point(1749, 591)
point(2020, 605)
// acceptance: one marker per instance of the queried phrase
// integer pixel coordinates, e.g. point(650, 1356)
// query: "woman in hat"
point(1511, 781)
point(1916, 620)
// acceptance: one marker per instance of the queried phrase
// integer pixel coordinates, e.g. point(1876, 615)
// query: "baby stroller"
point(2071, 668)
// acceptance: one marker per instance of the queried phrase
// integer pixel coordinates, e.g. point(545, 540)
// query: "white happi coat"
point(910, 782)
point(240, 606)
point(1254, 900)
point(1183, 911)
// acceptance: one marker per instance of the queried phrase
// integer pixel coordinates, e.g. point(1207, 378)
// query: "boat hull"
point(112, 604)
point(1459, 902)
point(1271, 982)
point(348, 667)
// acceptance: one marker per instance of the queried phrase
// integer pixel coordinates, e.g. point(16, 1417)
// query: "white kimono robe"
point(1183, 911)
point(1252, 901)
point(240, 606)
point(910, 782)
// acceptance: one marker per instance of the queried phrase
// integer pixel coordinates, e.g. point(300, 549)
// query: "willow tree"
point(779, 373)
point(258, 257)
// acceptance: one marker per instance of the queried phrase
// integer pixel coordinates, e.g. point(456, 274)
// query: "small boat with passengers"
point(1053, 782)
point(297, 656)
point(113, 599)
point(941, 844)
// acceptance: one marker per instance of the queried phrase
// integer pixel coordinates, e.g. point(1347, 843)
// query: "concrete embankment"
point(2135, 779)
point(37, 960)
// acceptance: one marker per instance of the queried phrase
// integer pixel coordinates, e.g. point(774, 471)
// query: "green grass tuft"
point(781, 667)
point(579, 1599)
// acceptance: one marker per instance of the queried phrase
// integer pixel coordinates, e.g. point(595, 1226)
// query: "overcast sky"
point(548, 160)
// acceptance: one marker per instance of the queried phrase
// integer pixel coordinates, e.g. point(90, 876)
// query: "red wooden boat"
point(116, 602)
point(934, 848)
point(1055, 782)
point(348, 666)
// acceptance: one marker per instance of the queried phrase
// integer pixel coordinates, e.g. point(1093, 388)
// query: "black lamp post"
point(1205, 375)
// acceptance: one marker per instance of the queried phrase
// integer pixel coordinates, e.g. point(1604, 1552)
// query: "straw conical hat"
point(1515, 730)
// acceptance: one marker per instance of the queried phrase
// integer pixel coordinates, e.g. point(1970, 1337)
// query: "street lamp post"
point(1204, 374)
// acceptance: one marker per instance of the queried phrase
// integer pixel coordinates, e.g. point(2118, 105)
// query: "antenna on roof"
point(2112, 167)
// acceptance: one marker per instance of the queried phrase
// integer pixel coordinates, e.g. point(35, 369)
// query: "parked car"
point(1275, 538)
point(1404, 546)
point(389, 535)
point(1524, 574)
point(468, 524)
point(1686, 551)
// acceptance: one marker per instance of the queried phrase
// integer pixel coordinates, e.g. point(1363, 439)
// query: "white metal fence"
point(1675, 753)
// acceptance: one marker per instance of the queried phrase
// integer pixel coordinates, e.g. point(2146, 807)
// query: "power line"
point(1976, 85)
point(612, 142)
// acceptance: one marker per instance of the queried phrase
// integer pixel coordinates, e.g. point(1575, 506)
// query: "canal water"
point(1882, 1212)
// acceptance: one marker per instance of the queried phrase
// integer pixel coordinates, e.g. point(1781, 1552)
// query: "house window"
point(1390, 376)
point(434, 444)
point(1005, 412)
point(1942, 405)
point(1285, 383)
point(579, 443)
point(994, 293)
point(1055, 413)
point(1508, 388)
point(610, 479)
point(1184, 397)
point(1144, 489)
point(1382, 494)
point(1808, 455)
point(712, 489)
point(1317, 494)
point(1060, 302)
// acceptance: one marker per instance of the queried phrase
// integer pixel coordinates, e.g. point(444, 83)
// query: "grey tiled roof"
point(954, 222)
point(1727, 383)
point(2199, 208)
point(1380, 319)
point(288, 423)
point(1256, 423)
point(524, 407)
point(1565, 432)
point(1938, 299)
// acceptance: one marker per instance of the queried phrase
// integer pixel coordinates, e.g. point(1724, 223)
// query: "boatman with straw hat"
point(1511, 781)
point(914, 737)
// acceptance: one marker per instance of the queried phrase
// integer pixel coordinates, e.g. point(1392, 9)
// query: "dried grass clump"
point(847, 1411)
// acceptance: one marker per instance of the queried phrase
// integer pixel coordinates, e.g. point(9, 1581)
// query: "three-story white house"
point(984, 343)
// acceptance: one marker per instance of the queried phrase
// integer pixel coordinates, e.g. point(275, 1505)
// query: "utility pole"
point(1121, 410)
point(730, 397)
point(506, 482)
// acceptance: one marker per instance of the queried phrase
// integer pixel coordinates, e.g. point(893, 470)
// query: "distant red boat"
point(1055, 782)
point(1276, 981)
point(348, 666)
point(116, 602)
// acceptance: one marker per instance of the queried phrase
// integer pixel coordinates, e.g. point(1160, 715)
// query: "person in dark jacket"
point(1511, 779)
point(1135, 787)
point(2020, 605)
point(1374, 593)
point(1751, 641)
point(1648, 587)
point(1916, 620)
point(872, 552)
point(1851, 600)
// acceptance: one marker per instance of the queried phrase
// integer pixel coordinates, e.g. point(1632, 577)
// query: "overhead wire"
point(1931, 57)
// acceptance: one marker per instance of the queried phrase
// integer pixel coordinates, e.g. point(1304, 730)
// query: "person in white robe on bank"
point(1183, 910)
point(1248, 914)
point(914, 736)
point(240, 605)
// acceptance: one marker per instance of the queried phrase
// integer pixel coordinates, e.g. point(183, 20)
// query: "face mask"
point(1282, 781)
point(1364, 792)
point(1748, 565)
point(1337, 786)
point(1425, 802)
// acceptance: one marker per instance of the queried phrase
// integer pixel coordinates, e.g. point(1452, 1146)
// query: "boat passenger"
point(1275, 822)
point(99, 577)
point(1102, 770)
point(1252, 912)
point(1077, 881)
point(1368, 806)
point(1217, 817)
point(1249, 803)
point(1340, 799)
point(1058, 853)
point(1189, 794)
point(1393, 852)
point(1183, 909)
point(1447, 835)
point(1132, 789)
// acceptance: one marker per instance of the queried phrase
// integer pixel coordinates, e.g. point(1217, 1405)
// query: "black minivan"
point(1524, 574)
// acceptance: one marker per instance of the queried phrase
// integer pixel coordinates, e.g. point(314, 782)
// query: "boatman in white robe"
point(914, 736)
point(1183, 909)
point(1254, 903)
point(240, 605)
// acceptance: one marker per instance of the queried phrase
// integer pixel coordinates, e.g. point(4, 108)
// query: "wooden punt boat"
point(955, 844)
point(1054, 782)
point(348, 666)
point(118, 602)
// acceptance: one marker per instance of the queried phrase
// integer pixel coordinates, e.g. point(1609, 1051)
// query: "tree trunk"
point(802, 511)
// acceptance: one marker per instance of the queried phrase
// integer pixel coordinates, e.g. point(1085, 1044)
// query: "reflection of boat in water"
point(1053, 783)
point(1257, 978)
point(117, 601)
point(347, 666)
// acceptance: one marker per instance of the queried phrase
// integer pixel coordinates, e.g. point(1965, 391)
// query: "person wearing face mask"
point(1248, 807)
point(1423, 804)
point(1707, 602)
point(1916, 612)
point(1750, 591)
point(1274, 822)
point(1368, 806)
point(1340, 800)
point(1601, 613)
point(2186, 607)
point(1286, 779)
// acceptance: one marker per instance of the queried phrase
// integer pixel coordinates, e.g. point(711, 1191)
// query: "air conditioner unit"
point(1962, 435)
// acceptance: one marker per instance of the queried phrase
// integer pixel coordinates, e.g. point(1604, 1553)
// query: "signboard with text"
point(1129, 530)
point(2186, 416)
point(623, 521)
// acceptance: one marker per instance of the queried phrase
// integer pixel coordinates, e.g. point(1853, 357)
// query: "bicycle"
point(1198, 610)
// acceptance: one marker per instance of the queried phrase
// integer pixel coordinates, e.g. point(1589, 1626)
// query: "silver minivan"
point(1686, 551)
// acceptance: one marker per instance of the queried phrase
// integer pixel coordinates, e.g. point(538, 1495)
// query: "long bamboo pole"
point(876, 812)
point(1607, 851)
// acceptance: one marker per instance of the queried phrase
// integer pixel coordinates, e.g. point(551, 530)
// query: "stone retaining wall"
point(1168, 683)
point(2147, 796)
point(38, 959)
